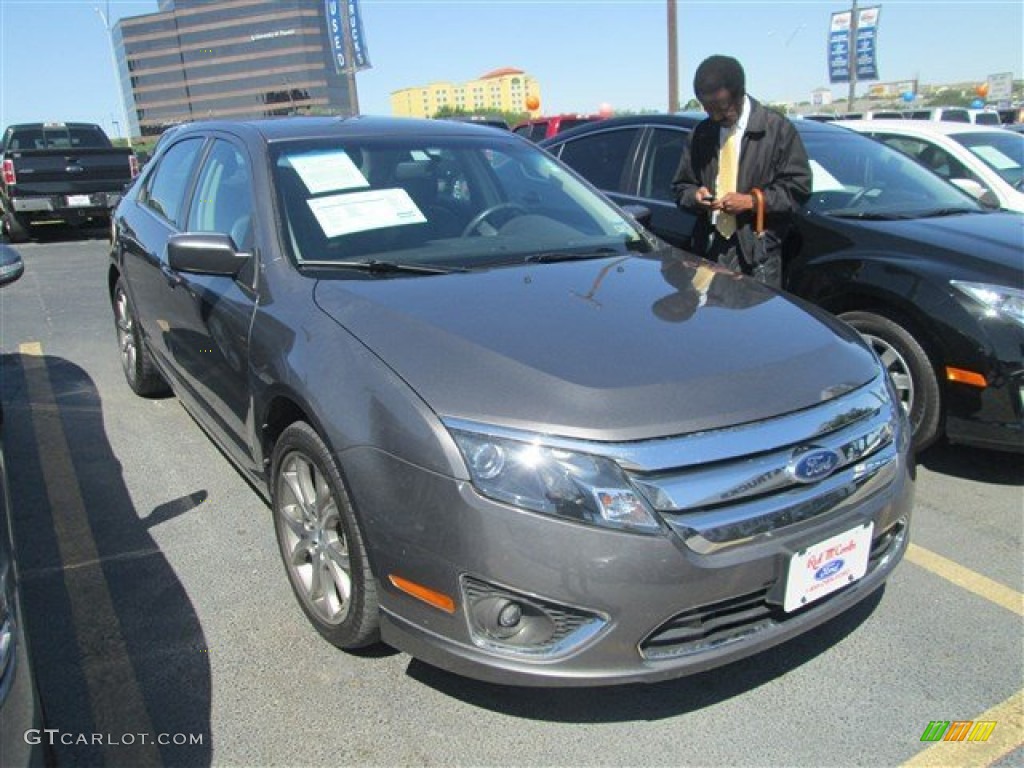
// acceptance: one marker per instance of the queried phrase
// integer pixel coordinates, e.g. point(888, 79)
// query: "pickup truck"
point(60, 171)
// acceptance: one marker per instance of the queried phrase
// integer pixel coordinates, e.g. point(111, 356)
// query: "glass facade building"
point(203, 59)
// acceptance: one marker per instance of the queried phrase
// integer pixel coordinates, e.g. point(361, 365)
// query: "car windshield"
point(458, 202)
point(857, 177)
point(1002, 151)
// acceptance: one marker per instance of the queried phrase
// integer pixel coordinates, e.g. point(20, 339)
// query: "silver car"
point(501, 427)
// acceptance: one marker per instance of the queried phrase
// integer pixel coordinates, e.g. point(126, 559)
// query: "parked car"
point(940, 114)
point(929, 276)
point(987, 162)
point(495, 121)
point(60, 171)
point(539, 128)
point(499, 425)
point(20, 711)
point(986, 116)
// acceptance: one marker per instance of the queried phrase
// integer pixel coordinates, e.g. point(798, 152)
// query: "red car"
point(545, 127)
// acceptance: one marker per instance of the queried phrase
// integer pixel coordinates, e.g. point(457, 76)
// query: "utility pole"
point(105, 17)
point(673, 59)
point(853, 56)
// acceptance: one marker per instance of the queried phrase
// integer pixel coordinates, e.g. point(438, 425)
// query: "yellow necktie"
point(728, 170)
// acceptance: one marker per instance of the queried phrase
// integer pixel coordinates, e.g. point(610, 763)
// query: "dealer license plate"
point(827, 566)
point(79, 201)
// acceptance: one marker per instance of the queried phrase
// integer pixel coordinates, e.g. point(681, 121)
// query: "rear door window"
point(603, 158)
point(663, 156)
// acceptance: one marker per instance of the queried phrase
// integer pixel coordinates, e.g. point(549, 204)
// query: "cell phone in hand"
point(709, 198)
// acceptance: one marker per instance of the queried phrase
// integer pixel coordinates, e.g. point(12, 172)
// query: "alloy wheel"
point(314, 544)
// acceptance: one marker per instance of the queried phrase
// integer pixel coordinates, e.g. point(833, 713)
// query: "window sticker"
point(327, 172)
point(361, 211)
point(823, 181)
point(994, 157)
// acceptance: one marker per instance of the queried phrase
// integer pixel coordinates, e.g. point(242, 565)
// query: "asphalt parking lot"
point(161, 620)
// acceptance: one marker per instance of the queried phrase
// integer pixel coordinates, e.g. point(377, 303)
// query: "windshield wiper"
point(550, 257)
point(845, 213)
point(950, 212)
point(375, 266)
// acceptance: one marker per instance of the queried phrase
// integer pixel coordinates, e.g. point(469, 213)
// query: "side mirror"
point(11, 264)
point(205, 253)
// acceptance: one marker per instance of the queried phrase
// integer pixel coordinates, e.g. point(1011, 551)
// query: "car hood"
point(987, 243)
point(610, 349)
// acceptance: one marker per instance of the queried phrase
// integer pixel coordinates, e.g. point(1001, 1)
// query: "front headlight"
point(998, 300)
point(555, 481)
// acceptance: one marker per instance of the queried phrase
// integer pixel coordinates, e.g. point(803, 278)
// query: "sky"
point(56, 62)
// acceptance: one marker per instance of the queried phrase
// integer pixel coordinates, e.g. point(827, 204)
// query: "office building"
point(503, 90)
point(203, 59)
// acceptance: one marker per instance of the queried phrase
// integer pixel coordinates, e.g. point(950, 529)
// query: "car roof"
point(306, 127)
point(921, 127)
point(688, 120)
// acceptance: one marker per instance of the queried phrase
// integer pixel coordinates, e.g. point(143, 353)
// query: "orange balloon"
point(532, 103)
point(982, 90)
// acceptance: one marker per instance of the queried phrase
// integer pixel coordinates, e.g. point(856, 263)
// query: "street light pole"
point(105, 17)
point(673, 59)
point(853, 56)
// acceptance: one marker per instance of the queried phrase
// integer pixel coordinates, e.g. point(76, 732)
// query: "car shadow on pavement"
point(655, 701)
point(968, 463)
point(120, 656)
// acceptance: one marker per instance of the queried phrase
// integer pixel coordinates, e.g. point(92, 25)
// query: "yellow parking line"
point(993, 591)
point(1007, 737)
point(118, 706)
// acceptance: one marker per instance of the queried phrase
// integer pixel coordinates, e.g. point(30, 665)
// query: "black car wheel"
point(138, 366)
point(320, 540)
point(15, 229)
point(909, 368)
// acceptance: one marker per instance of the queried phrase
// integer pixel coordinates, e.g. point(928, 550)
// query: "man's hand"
point(734, 203)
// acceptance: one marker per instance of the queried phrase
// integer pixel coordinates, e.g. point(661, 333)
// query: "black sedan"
point(932, 279)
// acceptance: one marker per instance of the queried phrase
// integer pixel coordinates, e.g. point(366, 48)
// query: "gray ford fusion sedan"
point(499, 426)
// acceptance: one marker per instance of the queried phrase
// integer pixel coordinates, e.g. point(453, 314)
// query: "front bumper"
point(621, 607)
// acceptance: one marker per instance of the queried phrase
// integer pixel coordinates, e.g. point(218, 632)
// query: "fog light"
point(510, 615)
point(507, 622)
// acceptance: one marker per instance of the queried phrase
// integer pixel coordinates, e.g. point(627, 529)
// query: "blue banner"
point(865, 49)
point(839, 48)
point(336, 33)
point(360, 60)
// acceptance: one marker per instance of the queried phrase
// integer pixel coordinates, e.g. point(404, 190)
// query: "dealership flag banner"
point(343, 20)
point(865, 46)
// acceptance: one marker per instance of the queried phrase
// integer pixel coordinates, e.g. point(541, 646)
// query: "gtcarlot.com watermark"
point(55, 736)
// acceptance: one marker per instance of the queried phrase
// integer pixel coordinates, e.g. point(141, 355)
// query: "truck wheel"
point(15, 229)
point(910, 369)
point(139, 370)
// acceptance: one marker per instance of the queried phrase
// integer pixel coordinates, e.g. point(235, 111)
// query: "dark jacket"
point(772, 157)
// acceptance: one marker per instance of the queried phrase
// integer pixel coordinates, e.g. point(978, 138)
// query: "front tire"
point(139, 369)
point(320, 541)
point(910, 369)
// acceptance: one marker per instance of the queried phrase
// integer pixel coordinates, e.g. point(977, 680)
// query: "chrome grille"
point(742, 495)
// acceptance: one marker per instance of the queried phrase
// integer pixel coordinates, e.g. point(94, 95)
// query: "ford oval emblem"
point(813, 465)
point(830, 568)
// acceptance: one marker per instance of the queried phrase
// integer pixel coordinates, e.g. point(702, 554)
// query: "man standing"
point(742, 146)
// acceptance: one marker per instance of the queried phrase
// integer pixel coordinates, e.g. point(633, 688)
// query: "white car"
point(986, 161)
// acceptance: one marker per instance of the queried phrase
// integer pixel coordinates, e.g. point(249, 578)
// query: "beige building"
point(503, 90)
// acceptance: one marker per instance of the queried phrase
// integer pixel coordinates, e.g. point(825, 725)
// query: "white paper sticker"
point(328, 172)
point(995, 158)
point(361, 211)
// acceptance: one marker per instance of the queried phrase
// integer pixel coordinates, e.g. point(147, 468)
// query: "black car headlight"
point(998, 300)
point(554, 481)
